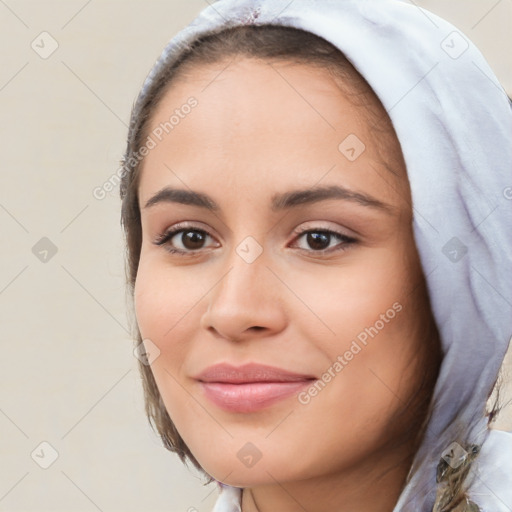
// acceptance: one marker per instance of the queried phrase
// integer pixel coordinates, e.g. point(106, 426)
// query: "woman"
point(315, 209)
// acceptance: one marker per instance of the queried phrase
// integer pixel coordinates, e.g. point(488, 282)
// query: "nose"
point(246, 302)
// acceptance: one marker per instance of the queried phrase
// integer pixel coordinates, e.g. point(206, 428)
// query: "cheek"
point(371, 310)
point(352, 297)
point(371, 365)
point(164, 300)
point(163, 308)
point(163, 297)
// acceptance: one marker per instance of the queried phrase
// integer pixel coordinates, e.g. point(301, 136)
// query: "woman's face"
point(304, 261)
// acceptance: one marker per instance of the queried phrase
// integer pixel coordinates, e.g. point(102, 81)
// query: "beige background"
point(68, 374)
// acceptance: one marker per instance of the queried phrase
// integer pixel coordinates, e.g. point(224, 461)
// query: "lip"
point(247, 373)
point(250, 387)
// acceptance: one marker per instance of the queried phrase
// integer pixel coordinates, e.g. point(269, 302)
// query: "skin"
point(251, 136)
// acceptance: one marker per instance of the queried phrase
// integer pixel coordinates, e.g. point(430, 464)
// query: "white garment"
point(454, 123)
point(229, 500)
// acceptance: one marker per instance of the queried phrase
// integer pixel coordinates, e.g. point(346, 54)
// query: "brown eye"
point(319, 240)
point(192, 239)
point(183, 240)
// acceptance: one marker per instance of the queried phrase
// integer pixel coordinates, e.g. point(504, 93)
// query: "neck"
point(372, 487)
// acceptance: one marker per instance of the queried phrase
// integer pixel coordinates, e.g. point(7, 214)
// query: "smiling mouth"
point(251, 387)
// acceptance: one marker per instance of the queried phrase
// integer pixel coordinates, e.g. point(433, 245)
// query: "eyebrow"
point(279, 201)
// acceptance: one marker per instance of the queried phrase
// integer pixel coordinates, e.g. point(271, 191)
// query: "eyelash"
point(166, 236)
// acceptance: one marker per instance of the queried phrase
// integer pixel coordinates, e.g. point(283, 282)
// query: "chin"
point(236, 473)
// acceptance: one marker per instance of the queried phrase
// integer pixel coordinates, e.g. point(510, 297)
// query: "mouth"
point(251, 387)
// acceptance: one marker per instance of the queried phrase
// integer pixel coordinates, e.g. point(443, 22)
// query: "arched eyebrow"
point(279, 201)
point(295, 198)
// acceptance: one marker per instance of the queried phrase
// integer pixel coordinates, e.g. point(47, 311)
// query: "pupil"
point(192, 240)
point(318, 240)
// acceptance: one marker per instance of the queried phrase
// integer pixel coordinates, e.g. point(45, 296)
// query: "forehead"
point(254, 121)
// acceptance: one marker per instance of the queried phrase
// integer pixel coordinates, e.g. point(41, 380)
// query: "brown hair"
point(262, 42)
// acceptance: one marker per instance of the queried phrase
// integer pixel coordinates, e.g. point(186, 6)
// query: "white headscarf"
point(454, 123)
